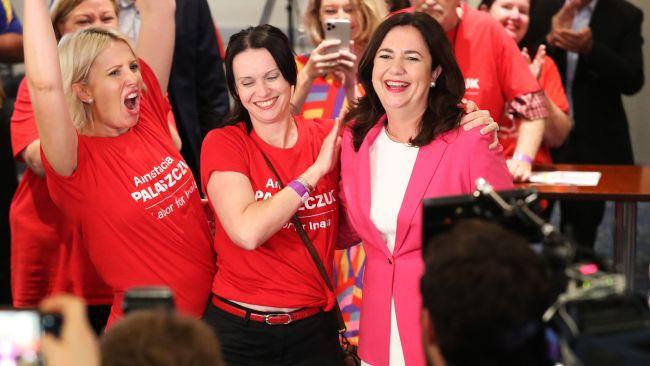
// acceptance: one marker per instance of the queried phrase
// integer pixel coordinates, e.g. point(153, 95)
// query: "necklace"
point(394, 138)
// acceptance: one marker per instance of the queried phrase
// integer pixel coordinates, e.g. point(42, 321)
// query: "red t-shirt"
point(137, 205)
point(491, 63)
point(45, 255)
point(280, 272)
point(551, 82)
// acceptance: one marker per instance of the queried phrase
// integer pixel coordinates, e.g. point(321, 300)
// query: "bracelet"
point(522, 157)
point(300, 189)
point(303, 181)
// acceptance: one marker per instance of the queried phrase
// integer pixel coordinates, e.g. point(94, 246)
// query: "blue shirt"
point(8, 22)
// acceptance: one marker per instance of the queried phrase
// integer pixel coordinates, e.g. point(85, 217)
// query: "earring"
point(433, 84)
point(89, 101)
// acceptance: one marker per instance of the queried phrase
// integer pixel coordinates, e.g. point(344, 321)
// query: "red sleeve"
point(224, 150)
point(551, 82)
point(155, 105)
point(24, 130)
point(513, 71)
point(67, 193)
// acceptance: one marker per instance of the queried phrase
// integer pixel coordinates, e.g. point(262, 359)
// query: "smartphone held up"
point(338, 29)
point(20, 335)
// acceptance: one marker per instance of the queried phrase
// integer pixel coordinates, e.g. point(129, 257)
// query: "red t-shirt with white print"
point(46, 255)
point(138, 208)
point(280, 272)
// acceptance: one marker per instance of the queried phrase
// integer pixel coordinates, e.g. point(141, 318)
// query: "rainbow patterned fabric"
point(326, 99)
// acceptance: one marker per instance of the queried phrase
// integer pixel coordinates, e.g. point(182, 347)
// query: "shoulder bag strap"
point(310, 247)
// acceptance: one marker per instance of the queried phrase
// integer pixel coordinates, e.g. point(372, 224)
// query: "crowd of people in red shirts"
point(320, 151)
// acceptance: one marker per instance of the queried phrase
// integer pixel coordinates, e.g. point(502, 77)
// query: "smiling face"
point(113, 91)
point(444, 11)
point(402, 74)
point(262, 89)
point(89, 13)
point(341, 9)
point(513, 15)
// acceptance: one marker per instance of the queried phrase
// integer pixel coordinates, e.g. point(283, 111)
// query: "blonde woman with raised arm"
point(110, 163)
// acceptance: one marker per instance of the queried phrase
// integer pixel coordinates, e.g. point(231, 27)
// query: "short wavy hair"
point(372, 13)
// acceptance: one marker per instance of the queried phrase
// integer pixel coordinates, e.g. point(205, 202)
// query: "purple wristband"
point(522, 157)
point(300, 189)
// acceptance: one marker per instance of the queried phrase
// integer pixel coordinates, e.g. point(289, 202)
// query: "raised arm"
point(155, 44)
point(43, 73)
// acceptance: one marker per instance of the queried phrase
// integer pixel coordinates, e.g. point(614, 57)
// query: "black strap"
point(310, 247)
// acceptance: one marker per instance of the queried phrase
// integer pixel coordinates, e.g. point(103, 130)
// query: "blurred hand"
point(77, 345)
point(322, 61)
point(346, 70)
point(575, 41)
point(475, 117)
point(537, 63)
point(519, 169)
point(563, 19)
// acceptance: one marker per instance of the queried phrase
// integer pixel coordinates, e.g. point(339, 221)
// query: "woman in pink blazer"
point(403, 144)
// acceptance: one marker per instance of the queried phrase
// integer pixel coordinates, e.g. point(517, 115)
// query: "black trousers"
point(310, 342)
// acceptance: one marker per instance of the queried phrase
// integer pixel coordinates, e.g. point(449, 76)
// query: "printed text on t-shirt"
point(163, 182)
point(315, 207)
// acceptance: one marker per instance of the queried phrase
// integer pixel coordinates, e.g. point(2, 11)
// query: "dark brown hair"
point(483, 282)
point(442, 113)
point(265, 37)
point(160, 338)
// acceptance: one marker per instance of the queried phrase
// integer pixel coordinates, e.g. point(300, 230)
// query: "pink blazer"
point(447, 166)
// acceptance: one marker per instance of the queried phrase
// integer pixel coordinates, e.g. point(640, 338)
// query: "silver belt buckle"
point(267, 319)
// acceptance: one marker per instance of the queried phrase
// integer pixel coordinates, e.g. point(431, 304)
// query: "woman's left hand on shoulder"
point(475, 117)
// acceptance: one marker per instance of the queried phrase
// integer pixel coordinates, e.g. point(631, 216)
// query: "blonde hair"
point(62, 8)
point(372, 14)
point(77, 52)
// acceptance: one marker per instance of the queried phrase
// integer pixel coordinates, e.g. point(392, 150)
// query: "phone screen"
point(20, 337)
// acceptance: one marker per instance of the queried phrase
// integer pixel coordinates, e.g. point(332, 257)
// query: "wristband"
point(300, 189)
point(522, 157)
point(307, 186)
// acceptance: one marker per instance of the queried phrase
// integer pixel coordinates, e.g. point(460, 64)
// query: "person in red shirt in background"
point(497, 78)
point(47, 255)
point(514, 16)
point(110, 163)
